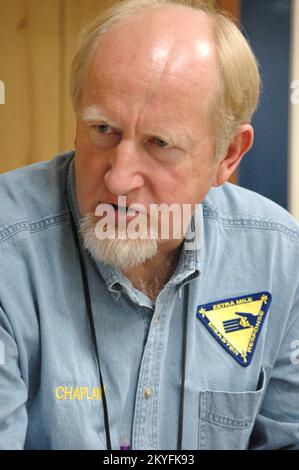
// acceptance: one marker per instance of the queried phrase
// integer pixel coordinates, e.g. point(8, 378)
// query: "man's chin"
point(122, 253)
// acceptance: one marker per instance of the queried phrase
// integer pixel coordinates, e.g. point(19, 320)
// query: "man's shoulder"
point(34, 192)
point(234, 206)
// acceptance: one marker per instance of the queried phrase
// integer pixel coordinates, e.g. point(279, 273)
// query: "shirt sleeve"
point(277, 425)
point(13, 391)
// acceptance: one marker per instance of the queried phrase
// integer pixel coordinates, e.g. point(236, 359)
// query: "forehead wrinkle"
point(160, 59)
point(166, 69)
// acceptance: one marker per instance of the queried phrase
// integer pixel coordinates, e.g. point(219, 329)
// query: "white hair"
point(120, 253)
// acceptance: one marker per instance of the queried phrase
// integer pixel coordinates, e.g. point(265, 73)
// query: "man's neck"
point(150, 277)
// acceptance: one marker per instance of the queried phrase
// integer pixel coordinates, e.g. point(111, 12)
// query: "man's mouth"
point(116, 207)
point(129, 212)
point(132, 210)
point(123, 209)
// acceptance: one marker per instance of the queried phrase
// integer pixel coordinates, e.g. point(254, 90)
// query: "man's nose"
point(125, 169)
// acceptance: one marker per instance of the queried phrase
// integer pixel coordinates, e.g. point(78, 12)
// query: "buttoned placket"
point(146, 423)
point(145, 426)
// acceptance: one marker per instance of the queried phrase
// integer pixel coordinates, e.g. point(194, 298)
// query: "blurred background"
point(37, 39)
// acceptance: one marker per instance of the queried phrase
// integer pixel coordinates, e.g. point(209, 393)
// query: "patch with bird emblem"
point(236, 323)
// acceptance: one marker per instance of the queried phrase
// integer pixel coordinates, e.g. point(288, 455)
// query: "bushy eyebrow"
point(95, 114)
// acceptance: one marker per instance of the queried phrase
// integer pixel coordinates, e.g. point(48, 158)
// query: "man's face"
point(143, 130)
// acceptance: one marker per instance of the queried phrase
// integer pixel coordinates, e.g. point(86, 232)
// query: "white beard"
point(124, 253)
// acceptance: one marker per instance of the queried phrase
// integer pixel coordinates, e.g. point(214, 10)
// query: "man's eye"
point(104, 136)
point(161, 143)
point(103, 129)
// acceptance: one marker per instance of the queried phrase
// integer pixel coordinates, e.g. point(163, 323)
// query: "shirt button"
point(156, 321)
point(148, 391)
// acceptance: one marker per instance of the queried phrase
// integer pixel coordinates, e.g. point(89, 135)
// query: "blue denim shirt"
point(50, 395)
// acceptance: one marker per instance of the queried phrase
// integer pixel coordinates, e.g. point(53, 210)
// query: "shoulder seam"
point(250, 222)
point(32, 227)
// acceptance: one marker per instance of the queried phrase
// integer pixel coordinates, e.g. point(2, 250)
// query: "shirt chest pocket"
point(226, 419)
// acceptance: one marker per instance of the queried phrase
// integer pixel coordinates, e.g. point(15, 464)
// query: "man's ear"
point(240, 144)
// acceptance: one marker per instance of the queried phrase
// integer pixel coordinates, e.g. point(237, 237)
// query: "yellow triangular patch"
point(236, 323)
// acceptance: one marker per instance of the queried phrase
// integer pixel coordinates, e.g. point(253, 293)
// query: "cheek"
point(170, 187)
point(90, 166)
point(91, 173)
point(192, 184)
point(200, 184)
point(89, 180)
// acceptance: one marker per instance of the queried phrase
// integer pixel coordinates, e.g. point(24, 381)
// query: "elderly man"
point(115, 336)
